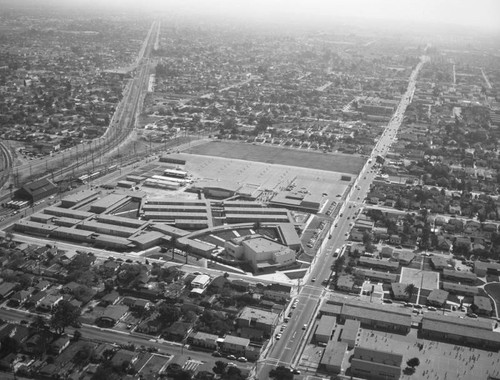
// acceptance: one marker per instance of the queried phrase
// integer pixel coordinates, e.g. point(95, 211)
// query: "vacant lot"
point(261, 153)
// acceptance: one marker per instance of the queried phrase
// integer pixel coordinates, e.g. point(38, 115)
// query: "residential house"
point(203, 340)
point(277, 292)
point(60, 344)
point(437, 297)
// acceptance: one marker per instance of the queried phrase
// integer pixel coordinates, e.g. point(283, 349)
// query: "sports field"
point(340, 163)
point(215, 171)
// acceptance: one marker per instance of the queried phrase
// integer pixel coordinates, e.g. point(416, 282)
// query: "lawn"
point(494, 291)
point(261, 153)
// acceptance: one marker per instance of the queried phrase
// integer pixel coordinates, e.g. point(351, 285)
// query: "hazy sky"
point(476, 13)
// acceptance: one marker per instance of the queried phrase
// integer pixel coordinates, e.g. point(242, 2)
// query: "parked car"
point(242, 359)
point(231, 357)
point(278, 336)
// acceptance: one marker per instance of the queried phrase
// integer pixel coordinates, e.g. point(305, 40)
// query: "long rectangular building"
point(120, 221)
point(460, 331)
point(173, 208)
point(109, 201)
point(81, 196)
point(58, 211)
point(108, 229)
point(372, 316)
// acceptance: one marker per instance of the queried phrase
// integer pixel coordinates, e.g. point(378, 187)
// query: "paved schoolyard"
point(438, 361)
point(421, 279)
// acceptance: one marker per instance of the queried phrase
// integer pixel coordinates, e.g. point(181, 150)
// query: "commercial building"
point(234, 345)
point(325, 328)
point(375, 364)
point(349, 332)
point(257, 318)
point(261, 253)
point(299, 200)
point(333, 357)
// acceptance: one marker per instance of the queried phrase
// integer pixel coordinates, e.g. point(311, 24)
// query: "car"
point(431, 308)
point(408, 304)
point(387, 301)
point(295, 371)
point(398, 247)
point(453, 308)
point(242, 359)
point(277, 336)
point(231, 357)
point(417, 306)
point(129, 326)
point(294, 305)
point(314, 279)
point(472, 315)
point(217, 354)
point(305, 326)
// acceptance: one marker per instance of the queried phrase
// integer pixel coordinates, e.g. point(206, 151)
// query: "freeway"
point(120, 127)
point(288, 349)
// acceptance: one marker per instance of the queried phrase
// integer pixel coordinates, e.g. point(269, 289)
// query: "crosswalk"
point(191, 365)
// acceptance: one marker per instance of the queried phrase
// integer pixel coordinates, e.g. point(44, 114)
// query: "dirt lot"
point(261, 153)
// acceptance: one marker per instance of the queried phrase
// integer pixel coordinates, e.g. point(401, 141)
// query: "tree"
point(64, 314)
point(409, 290)
point(77, 335)
point(219, 367)
point(233, 373)
point(413, 362)
point(281, 373)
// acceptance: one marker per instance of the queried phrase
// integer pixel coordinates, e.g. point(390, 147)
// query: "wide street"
point(287, 350)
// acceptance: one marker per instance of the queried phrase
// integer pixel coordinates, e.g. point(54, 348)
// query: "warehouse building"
point(121, 221)
point(37, 190)
point(349, 332)
point(108, 229)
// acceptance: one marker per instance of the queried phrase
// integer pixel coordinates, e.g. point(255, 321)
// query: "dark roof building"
point(36, 190)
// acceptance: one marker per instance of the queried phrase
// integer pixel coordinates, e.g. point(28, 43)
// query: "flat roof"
point(463, 331)
point(103, 238)
point(458, 274)
point(376, 274)
point(120, 220)
point(108, 201)
point(174, 208)
point(459, 287)
point(376, 262)
point(262, 316)
point(289, 234)
point(176, 215)
point(106, 226)
point(350, 330)
point(29, 223)
point(477, 323)
point(236, 340)
point(388, 315)
point(80, 196)
point(59, 211)
point(334, 354)
point(168, 230)
point(146, 237)
point(326, 325)
point(74, 232)
point(438, 296)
